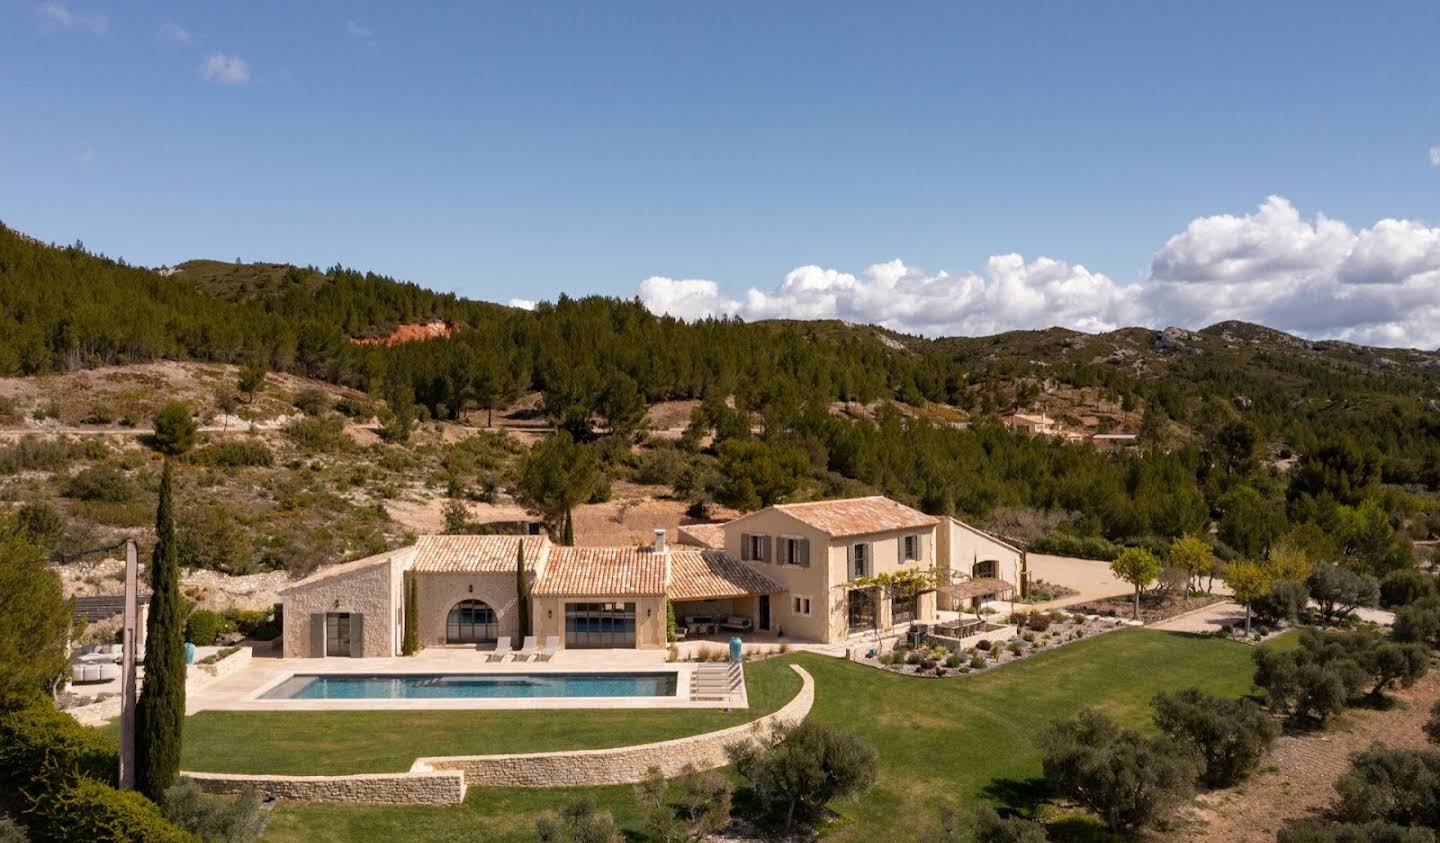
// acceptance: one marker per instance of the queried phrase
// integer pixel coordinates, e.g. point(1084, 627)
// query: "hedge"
point(204, 626)
point(57, 778)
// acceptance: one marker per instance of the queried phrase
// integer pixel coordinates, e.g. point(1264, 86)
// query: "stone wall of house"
point(417, 787)
point(369, 591)
point(437, 593)
point(620, 765)
point(649, 617)
point(224, 667)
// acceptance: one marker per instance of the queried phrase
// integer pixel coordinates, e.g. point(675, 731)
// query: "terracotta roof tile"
point(703, 535)
point(602, 571)
point(712, 574)
point(858, 516)
point(476, 554)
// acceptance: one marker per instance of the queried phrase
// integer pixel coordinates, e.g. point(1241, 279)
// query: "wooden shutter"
point(744, 547)
point(357, 635)
point(849, 561)
point(767, 548)
point(317, 635)
point(869, 558)
point(804, 553)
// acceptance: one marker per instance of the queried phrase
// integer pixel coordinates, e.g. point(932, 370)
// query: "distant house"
point(1028, 423)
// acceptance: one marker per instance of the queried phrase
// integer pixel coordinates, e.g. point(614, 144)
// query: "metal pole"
point(127, 666)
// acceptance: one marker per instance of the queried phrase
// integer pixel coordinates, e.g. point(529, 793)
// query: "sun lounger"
point(502, 649)
point(736, 624)
point(552, 644)
point(526, 650)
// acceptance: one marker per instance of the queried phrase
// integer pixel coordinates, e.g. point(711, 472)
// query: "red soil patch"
point(409, 333)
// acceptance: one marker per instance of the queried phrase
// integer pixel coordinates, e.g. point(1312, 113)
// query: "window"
point(471, 622)
point(754, 548)
point(861, 611)
point(792, 551)
point(859, 560)
point(801, 605)
point(599, 625)
point(988, 569)
point(910, 549)
point(902, 609)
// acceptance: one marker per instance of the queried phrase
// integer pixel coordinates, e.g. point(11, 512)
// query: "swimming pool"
point(465, 685)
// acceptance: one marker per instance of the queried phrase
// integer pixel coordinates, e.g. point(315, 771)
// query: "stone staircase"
point(716, 682)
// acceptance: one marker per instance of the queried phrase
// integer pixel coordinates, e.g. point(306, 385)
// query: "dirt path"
point(1301, 772)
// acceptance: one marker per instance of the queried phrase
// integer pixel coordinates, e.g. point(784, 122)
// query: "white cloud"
point(62, 16)
point(1316, 277)
point(361, 33)
point(177, 33)
point(230, 70)
point(1435, 156)
point(523, 304)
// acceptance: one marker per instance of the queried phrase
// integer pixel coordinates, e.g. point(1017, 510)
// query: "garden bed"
point(942, 657)
point(1153, 607)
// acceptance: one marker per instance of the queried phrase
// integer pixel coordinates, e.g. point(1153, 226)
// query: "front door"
point(764, 611)
point(337, 634)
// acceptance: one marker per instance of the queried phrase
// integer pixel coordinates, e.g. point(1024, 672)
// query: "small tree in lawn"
point(522, 592)
point(1249, 581)
point(811, 765)
point(1194, 556)
point(1137, 566)
point(160, 714)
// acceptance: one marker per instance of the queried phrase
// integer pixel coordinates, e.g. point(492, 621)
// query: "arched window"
point(471, 622)
point(987, 569)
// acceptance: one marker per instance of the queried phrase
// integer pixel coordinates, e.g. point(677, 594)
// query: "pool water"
point(453, 685)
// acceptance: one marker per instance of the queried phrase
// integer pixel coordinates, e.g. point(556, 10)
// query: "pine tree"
point(522, 596)
point(160, 715)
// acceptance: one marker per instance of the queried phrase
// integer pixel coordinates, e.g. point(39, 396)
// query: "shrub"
point(984, 644)
point(1332, 669)
point(1068, 544)
point(1314, 831)
point(1390, 785)
point(321, 433)
point(952, 661)
point(204, 627)
point(1432, 725)
point(912, 657)
point(1129, 780)
point(213, 539)
point(39, 524)
point(1339, 590)
point(1038, 622)
point(98, 483)
point(354, 409)
point(1286, 601)
point(990, 827)
point(808, 767)
point(11, 831)
point(1231, 735)
point(1418, 622)
point(56, 776)
point(233, 819)
point(237, 454)
point(580, 821)
point(977, 662)
point(1405, 586)
point(32, 453)
point(311, 401)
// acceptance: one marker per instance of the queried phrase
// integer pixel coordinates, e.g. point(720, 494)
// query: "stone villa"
point(788, 570)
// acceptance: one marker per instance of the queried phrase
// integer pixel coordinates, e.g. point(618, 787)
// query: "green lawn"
point(958, 741)
point(338, 742)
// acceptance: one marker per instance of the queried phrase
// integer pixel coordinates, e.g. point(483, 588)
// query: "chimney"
point(660, 540)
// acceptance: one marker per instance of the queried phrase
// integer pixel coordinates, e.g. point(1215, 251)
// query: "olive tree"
point(1137, 566)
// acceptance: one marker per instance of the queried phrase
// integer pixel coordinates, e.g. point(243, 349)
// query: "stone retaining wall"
point(226, 666)
point(444, 780)
point(620, 765)
point(417, 787)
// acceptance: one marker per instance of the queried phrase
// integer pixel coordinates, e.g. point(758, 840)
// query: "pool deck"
point(241, 690)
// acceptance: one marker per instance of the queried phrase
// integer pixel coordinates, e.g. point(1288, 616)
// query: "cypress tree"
point(522, 597)
point(411, 643)
point(567, 535)
point(160, 714)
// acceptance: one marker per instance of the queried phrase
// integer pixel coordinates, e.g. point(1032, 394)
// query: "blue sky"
point(519, 150)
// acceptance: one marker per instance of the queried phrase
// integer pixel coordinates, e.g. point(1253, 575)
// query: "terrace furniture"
point(526, 650)
point(552, 645)
point(82, 673)
point(502, 649)
point(736, 624)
